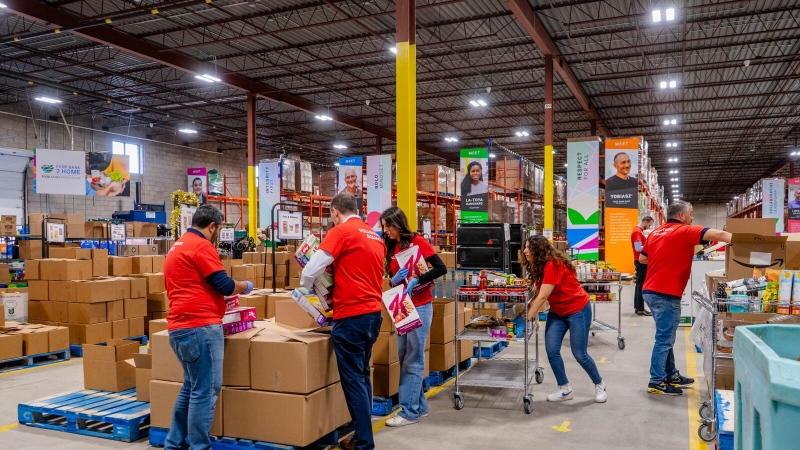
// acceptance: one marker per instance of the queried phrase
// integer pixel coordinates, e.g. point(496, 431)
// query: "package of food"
point(411, 259)
point(796, 294)
point(785, 292)
point(232, 301)
point(238, 319)
point(315, 306)
point(401, 309)
point(323, 284)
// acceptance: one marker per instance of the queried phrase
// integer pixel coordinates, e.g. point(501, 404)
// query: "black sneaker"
point(663, 388)
point(681, 381)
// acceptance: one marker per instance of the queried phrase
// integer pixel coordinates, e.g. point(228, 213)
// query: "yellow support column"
point(406, 91)
point(548, 147)
point(252, 194)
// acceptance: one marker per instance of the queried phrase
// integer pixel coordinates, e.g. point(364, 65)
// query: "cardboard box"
point(138, 287)
point(70, 253)
point(141, 229)
point(40, 311)
point(10, 346)
point(100, 267)
point(244, 272)
point(726, 374)
point(165, 364)
point(341, 414)
point(384, 351)
point(162, 401)
point(115, 310)
point(259, 302)
point(30, 249)
point(443, 329)
point(105, 368)
point(89, 334)
point(155, 282)
point(236, 363)
point(63, 291)
point(38, 290)
point(142, 264)
point(158, 263)
point(288, 312)
point(119, 266)
point(386, 381)
point(153, 327)
point(134, 307)
point(35, 224)
point(67, 218)
point(144, 373)
point(387, 324)
point(293, 419)
point(157, 302)
point(747, 251)
point(65, 269)
point(14, 304)
point(443, 308)
point(32, 269)
point(443, 356)
point(272, 299)
point(292, 361)
point(58, 339)
point(87, 313)
point(35, 341)
point(465, 350)
point(99, 253)
point(158, 315)
point(123, 287)
point(136, 326)
point(120, 329)
point(96, 291)
point(763, 227)
point(713, 278)
point(61, 312)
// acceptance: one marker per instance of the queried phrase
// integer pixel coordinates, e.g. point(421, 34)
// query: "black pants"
point(641, 274)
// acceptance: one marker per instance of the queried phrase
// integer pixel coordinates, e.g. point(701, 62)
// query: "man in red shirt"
point(668, 252)
point(637, 241)
point(196, 286)
point(356, 253)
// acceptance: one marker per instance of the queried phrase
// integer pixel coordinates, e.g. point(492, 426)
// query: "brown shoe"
point(348, 444)
point(644, 313)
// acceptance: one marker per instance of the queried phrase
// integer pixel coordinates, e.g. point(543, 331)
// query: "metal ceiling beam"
point(527, 18)
point(41, 12)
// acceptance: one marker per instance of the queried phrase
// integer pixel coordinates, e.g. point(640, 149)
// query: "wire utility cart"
point(600, 286)
point(498, 372)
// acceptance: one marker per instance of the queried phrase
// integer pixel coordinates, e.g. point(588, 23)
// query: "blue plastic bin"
point(767, 387)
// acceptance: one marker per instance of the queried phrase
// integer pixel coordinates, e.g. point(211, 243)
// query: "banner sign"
point(379, 188)
point(290, 225)
point(583, 214)
point(475, 185)
point(227, 234)
point(269, 191)
point(794, 205)
point(773, 201)
point(349, 180)
point(80, 173)
point(198, 183)
point(622, 200)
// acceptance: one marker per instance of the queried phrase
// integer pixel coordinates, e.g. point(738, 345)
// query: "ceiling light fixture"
point(340, 146)
point(522, 134)
point(673, 84)
point(492, 155)
point(736, 198)
point(673, 179)
point(208, 78)
point(657, 15)
point(478, 103)
point(336, 164)
point(188, 131)
point(323, 117)
point(565, 165)
point(673, 171)
point(393, 50)
point(451, 139)
point(52, 101)
point(670, 13)
point(3, 5)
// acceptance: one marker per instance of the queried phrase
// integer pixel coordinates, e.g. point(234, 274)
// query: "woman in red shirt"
point(411, 346)
point(555, 279)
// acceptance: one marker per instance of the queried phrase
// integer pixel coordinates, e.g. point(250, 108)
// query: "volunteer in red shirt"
point(556, 282)
point(637, 241)
point(668, 253)
point(196, 285)
point(356, 253)
point(397, 236)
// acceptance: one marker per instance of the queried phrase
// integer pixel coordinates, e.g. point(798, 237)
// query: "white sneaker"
point(424, 415)
point(561, 394)
point(600, 395)
point(398, 421)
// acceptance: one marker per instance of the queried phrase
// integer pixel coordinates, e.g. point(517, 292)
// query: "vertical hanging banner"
point(269, 191)
point(583, 214)
point(773, 201)
point(349, 180)
point(794, 205)
point(379, 188)
point(622, 200)
point(198, 183)
point(475, 185)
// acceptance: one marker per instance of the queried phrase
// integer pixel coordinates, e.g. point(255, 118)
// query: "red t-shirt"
point(637, 236)
point(425, 296)
point(357, 268)
point(193, 303)
point(669, 250)
point(568, 296)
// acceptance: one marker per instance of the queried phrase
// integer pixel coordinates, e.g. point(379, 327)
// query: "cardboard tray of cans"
point(508, 294)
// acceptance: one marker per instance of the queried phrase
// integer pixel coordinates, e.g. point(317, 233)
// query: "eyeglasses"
point(350, 176)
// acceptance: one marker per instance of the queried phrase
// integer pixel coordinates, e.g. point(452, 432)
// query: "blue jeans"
point(200, 352)
point(666, 311)
point(578, 325)
point(411, 348)
point(352, 340)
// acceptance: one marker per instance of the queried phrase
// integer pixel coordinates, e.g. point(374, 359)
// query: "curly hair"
point(395, 217)
point(542, 251)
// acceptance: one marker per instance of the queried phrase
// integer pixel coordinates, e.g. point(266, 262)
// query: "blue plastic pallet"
point(158, 437)
point(489, 351)
point(724, 404)
point(25, 362)
point(438, 378)
point(109, 415)
point(383, 406)
point(77, 350)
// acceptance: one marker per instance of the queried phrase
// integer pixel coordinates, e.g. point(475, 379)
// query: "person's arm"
point(226, 285)
point(642, 258)
point(716, 235)
point(438, 269)
point(315, 267)
point(541, 297)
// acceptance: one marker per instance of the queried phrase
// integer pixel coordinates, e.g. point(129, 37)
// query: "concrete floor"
point(492, 418)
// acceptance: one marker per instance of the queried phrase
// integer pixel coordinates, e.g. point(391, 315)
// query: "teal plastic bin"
point(767, 387)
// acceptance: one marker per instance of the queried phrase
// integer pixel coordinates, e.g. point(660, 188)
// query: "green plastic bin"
point(767, 387)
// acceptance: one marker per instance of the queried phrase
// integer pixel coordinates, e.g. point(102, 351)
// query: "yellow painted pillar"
point(252, 193)
point(548, 147)
point(406, 91)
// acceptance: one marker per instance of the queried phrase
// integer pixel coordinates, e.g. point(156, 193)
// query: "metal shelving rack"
point(606, 280)
point(509, 373)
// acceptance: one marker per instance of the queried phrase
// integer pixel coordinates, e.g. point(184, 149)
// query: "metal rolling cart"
point(499, 372)
point(601, 285)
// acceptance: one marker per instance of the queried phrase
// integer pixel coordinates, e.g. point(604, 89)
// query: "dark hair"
point(620, 153)
point(395, 217)
point(206, 215)
point(647, 219)
point(542, 251)
point(676, 208)
point(345, 203)
point(197, 179)
point(467, 181)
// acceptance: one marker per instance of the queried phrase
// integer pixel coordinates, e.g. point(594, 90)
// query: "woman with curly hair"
point(555, 279)
point(397, 236)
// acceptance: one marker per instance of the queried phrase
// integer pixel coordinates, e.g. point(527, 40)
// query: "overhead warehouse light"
point(478, 103)
point(670, 121)
point(450, 139)
point(669, 14)
point(336, 164)
point(492, 155)
point(188, 131)
point(323, 117)
point(672, 172)
point(522, 134)
point(3, 5)
point(52, 101)
point(672, 84)
point(565, 165)
point(393, 50)
point(673, 179)
point(208, 78)
point(340, 146)
point(736, 198)
point(672, 160)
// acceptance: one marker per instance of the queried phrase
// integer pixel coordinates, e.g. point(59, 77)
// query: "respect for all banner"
point(379, 188)
point(349, 179)
point(475, 185)
point(773, 200)
point(269, 192)
point(583, 215)
point(794, 205)
point(621, 199)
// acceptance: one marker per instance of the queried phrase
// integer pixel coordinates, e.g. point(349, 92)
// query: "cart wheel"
point(458, 400)
point(539, 375)
point(705, 411)
point(528, 403)
point(621, 343)
point(706, 433)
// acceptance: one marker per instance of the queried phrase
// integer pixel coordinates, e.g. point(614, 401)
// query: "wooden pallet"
point(25, 362)
point(77, 350)
point(109, 415)
point(158, 436)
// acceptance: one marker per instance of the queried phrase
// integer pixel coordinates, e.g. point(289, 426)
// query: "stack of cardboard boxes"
point(443, 336)
point(436, 178)
point(17, 340)
point(8, 225)
point(255, 266)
